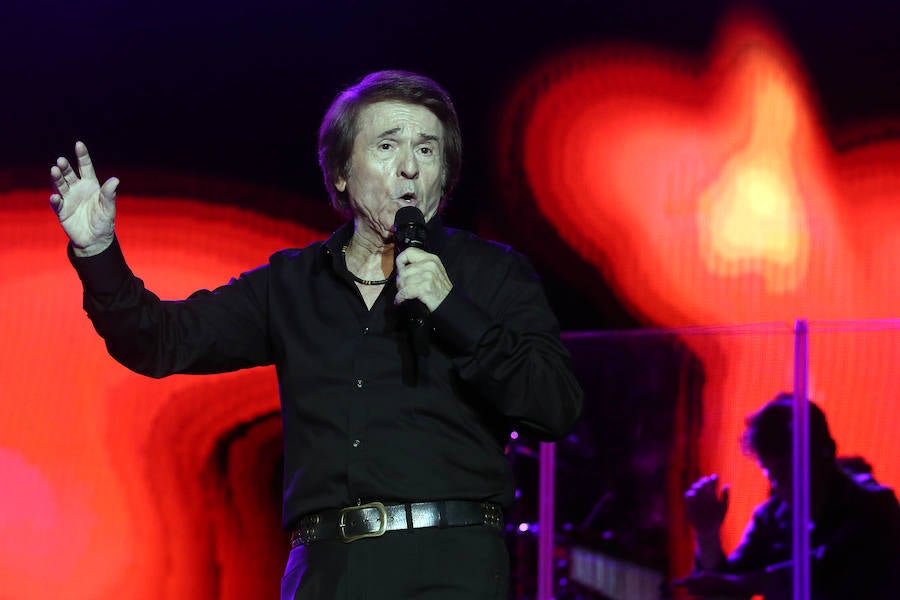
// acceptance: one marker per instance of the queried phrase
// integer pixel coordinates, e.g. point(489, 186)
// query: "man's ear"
point(340, 184)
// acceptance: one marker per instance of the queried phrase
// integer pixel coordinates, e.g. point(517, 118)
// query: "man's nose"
point(409, 166)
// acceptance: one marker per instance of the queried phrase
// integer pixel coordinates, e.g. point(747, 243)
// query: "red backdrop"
point(704, 189)
point(116, 485)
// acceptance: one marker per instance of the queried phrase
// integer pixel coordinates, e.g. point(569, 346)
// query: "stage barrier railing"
point(662, 408)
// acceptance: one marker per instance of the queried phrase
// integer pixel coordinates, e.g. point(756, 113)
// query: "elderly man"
point(394, 427)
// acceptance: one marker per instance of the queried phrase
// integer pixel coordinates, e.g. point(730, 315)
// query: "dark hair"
point(769, 431)
point(340, 125)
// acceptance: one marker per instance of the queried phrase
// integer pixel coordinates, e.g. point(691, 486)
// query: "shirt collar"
point(333, 245)
point(437, 235)
point(437, 240)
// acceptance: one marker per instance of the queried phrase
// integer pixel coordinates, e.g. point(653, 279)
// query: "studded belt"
point(374, 519)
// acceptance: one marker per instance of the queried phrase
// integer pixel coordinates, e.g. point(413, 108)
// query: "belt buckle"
point(342, 522)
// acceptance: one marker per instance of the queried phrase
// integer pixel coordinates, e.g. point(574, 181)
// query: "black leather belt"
point(375, 519)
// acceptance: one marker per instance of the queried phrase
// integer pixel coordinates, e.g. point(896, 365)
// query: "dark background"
point(234, 90)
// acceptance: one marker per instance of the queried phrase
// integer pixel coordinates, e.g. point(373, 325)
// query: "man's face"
point(778, 471)
point(397, 161)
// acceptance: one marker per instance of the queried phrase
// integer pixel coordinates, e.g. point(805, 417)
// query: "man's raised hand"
point(86, 211)
point(705, 507)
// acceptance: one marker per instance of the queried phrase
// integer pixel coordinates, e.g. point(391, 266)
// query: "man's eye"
point(384, 146)
point(426, 150)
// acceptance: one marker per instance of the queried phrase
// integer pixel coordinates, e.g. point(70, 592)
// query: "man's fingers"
point(85, 166)
point(710, 484)
point(704, 483)
point(56, 203)
point(108, 192)
point(57, 179)
point(413, 255)
point(68, 173)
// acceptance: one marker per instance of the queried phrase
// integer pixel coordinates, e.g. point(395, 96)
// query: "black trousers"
point(457, 563)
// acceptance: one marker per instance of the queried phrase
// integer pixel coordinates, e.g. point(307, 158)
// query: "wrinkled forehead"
point(399, 119)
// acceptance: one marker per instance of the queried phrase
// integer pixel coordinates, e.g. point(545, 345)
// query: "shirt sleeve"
point(757, 558)
point(209, 332)
point(858, 557)
point(758, 546)
point(509, 347)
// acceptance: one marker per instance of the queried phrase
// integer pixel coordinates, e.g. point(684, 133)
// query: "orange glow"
point(751, 217)
point(116, 485)
point(707, 194)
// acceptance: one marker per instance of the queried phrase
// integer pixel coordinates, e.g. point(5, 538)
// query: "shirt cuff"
point(101, 274)
point(460, 321)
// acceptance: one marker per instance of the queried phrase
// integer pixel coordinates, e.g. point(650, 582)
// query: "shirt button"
point(365, 330)
point(356, 443)
point(360, 383)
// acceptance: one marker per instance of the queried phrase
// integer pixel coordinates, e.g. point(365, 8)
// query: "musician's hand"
point(86, 210)
point(705, 508)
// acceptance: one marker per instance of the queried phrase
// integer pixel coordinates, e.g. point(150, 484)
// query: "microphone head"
point(409, 228)
point(408, 215)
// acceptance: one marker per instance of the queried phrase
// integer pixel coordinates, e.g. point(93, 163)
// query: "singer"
point(403, 359)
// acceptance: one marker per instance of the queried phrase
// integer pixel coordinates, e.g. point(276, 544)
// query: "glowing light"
point(751, 218)
point(751, 224)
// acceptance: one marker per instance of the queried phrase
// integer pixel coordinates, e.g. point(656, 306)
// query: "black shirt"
point(364, 418)
point(855, 543)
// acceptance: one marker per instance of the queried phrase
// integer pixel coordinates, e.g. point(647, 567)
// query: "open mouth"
point(409, 197)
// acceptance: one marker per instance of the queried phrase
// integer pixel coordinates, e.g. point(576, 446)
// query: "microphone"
point(409, 231)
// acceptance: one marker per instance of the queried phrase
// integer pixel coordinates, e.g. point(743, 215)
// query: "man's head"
point(342, 124)
point(769, 437)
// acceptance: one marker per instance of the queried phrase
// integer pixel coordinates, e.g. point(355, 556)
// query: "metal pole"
point(800, 467)
point(545, 521)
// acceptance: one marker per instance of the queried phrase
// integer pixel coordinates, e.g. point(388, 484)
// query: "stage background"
point(697, 176)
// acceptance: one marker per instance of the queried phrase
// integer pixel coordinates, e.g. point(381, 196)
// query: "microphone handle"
point(416, 312)
point(417, 324)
